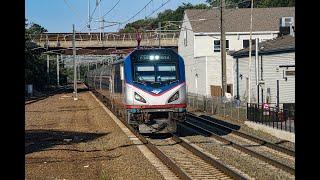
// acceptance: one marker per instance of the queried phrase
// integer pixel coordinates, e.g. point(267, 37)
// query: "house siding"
point(201, 47)
point(270, 75)
point(187, 53)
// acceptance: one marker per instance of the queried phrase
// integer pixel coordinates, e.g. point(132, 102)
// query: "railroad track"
point(185, 160)
point(268, 152)
point(193, 162)
point(33, 100)
point(244, 135)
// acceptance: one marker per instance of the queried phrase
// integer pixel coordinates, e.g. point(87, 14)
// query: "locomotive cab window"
point(155, 73)
point(155, 68)
point(166, 72)
point(144, 73)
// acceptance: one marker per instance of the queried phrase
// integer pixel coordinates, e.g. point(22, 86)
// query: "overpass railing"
point(47, 37)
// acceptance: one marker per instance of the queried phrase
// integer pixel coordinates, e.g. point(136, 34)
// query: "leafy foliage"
point(168, 15)
point(177, 15)
point(35, 61)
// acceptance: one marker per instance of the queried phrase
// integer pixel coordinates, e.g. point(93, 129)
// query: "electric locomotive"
point(154, 90)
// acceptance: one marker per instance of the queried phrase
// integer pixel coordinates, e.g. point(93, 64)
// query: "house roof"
point(280, 44)
point(238, 20)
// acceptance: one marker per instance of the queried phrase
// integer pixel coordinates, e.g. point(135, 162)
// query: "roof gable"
point(238, 20)
point(280, 44)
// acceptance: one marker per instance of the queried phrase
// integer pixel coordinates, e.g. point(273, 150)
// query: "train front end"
point(155, 90)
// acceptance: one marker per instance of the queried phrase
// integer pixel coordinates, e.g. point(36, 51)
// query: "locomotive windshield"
point(155, 67)
point(152, 73)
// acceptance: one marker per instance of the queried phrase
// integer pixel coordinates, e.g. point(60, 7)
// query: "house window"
point(229, 88)
point(246, 43)
point(287, 21)
point(216, 45)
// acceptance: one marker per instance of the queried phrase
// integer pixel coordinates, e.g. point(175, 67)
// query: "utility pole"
point(74, 65)
point(159, 24)
point(79, 69)
point(58, 70)
point(89, 19)
point(223, 50)
point(48, 69)
point(257, 67)
point(101, 19)
point(62, 61)
point(250, 48)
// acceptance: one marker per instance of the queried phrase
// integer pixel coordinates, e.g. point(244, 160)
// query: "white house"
point(272, 74)
point(199, 43)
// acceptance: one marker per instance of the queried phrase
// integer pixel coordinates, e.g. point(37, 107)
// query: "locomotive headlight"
point(151, 58)
point(174, 97)
point(139, 98)
point(156, 57)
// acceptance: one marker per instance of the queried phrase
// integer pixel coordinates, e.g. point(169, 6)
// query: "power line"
point(154, 10)
point(158, 8)
point(137, 12)
point(111, 9)
point(98, 4)
point(73, 9)
point(120, 23)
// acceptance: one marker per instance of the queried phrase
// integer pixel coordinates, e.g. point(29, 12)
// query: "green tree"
point(35, 61)
point(165, 16)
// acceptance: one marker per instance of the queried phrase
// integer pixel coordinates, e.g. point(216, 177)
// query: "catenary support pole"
point(48, 69)
point(250, 49)
point(58, 84)
point(74, 65)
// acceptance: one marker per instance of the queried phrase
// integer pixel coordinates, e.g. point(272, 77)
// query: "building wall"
point(271, 73)
point(201, 47)
point(197, 73)
point(186, 51)
point(203, 44)
point(214, 71)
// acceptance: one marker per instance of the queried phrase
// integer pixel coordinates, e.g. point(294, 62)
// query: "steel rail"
point(242, 148)
point(244, 135)
point(30, 101)
point(166, 160)
point(163, 158)
point(207, 159)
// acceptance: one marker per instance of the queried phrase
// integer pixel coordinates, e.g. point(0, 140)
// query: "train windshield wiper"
point(173, 81)
point(141, 82)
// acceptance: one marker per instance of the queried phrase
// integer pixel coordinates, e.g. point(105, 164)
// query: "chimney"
point(286, 26)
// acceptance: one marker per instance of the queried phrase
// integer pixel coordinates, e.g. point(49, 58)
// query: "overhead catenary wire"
point(163, 4)
point(121, 23)
point(73, 9)
point(110, 9)
point(137, 12)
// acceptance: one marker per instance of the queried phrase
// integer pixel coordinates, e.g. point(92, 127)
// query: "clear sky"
point(59, 15)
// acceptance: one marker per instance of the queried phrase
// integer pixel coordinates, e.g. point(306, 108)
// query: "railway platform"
point(67, 139)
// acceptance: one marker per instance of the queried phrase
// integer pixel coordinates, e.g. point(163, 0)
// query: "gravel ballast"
point(67, 139)
point(245, 129)
point(252, 166)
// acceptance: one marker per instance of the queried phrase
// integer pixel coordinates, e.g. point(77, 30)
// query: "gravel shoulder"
point(67, 139)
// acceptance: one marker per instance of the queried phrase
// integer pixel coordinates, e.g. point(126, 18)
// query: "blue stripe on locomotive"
point(129, 79)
